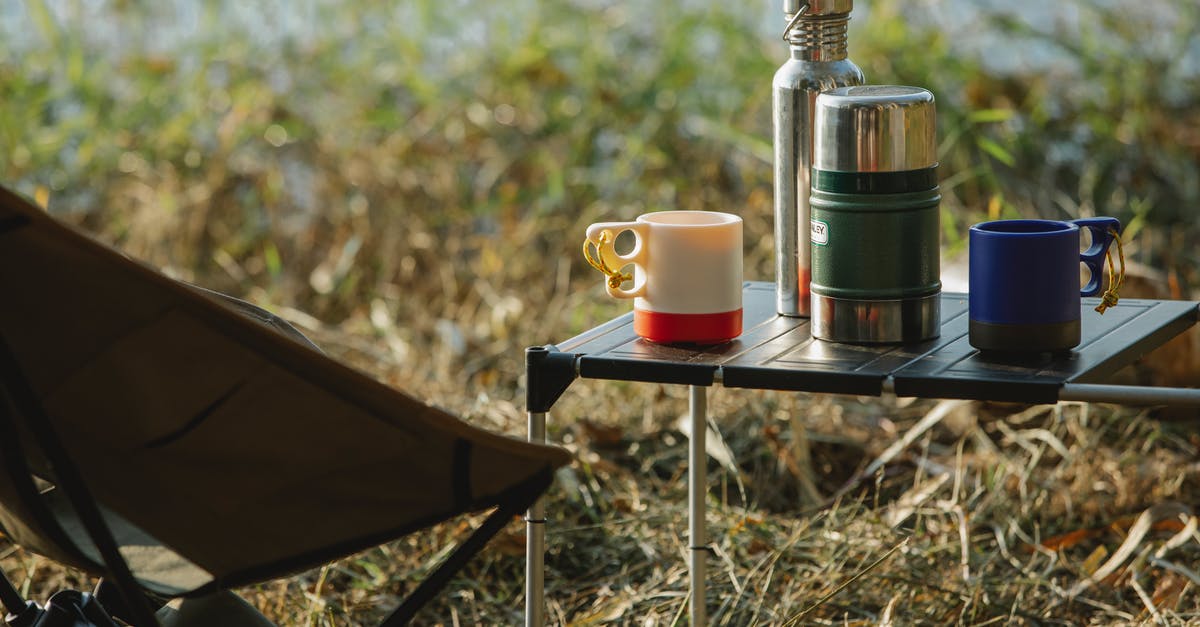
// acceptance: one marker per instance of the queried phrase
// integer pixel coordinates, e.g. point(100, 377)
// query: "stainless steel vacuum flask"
point(816, 34)
point(875, 223)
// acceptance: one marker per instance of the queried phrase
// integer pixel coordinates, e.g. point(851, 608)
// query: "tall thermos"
point(816, 33)
point(875, 218)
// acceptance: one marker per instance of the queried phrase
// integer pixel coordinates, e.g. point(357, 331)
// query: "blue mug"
point(1024, 293)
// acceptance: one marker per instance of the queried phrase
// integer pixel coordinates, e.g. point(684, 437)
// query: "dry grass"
point(964, 509)
point(423, 227)
point(994, 515)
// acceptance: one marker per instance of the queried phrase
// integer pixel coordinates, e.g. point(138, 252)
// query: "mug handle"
point(603, 235)
point(1102, 230)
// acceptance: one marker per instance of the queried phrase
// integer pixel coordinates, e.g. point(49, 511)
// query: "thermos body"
point(875, 266)
point(875, 220)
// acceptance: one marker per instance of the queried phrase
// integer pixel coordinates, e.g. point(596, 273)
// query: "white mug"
point(687, 278)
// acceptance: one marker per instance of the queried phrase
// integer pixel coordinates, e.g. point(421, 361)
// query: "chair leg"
point(520, 499)
point(20, 611)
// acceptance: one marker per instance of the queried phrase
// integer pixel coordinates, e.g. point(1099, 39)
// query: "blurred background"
point(408, 181)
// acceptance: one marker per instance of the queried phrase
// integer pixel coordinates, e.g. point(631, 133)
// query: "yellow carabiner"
point(615, 277)
point(1115, 280)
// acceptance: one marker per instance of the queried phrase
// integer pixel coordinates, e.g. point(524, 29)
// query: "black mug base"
point(1024, 338)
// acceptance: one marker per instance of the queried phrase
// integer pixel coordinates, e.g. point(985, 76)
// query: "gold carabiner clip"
point(615, 277)
point(1115, 280)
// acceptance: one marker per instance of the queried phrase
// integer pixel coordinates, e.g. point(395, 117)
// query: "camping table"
point(777, 353)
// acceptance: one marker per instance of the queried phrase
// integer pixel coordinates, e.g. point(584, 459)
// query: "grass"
point(408, 184)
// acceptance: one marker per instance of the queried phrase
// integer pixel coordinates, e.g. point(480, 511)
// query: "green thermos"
point(874, 221)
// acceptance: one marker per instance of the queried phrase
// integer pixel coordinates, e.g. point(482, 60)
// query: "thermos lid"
point(817, 7)
point(874, 128)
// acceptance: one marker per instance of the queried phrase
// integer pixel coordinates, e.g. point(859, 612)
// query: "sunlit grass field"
point(409, 183)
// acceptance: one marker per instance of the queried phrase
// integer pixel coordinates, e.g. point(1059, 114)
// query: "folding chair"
point(179, 443)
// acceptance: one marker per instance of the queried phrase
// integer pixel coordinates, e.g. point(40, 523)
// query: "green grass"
point(409, 183)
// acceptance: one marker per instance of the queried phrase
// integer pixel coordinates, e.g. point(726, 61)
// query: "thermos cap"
point(874, 128)
point(818, 7)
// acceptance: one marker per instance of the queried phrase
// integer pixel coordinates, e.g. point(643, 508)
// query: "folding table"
point(778, 353)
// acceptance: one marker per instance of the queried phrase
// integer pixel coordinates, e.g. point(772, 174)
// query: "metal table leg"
point(697, 489)
point(535, 540)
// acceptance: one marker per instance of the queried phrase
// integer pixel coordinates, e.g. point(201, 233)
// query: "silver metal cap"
point(817, 7)
point(874, 128)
